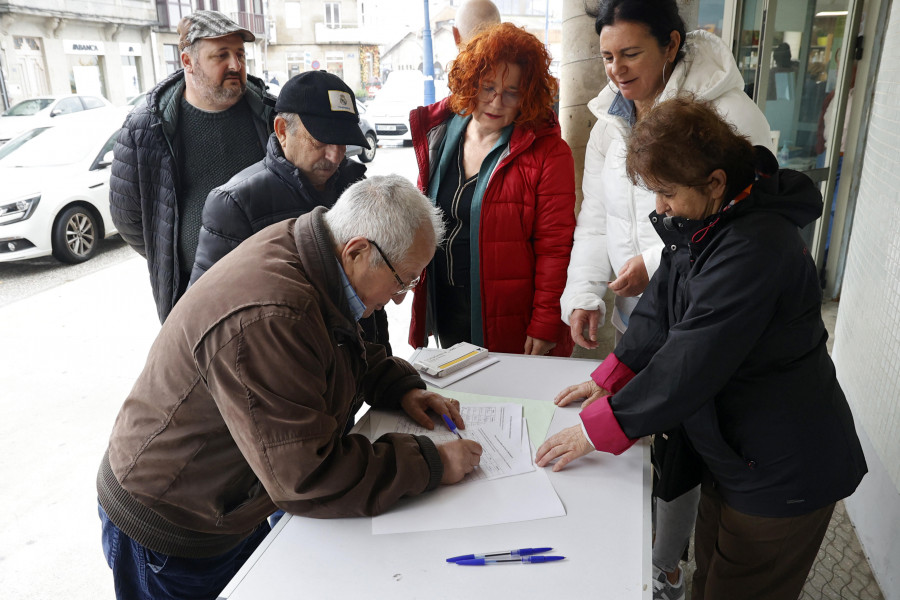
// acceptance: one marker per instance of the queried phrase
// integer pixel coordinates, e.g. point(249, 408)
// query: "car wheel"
point(75, 235)
point(368, 155)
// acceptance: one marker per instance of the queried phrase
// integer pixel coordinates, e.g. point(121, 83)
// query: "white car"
point(55, 193)
point(402, 92)
point(42, 111)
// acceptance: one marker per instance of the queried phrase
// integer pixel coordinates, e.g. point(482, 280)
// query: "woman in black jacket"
point(727, 346)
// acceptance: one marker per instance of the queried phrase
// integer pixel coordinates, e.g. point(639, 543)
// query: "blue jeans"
point(142, 574)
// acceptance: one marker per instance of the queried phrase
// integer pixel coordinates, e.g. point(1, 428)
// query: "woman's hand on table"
point(564, 447)
point(633, 278)
point(588, 390)
point(536, 347)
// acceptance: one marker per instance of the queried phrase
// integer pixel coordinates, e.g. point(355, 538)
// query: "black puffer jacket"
point(262, 194)
point(728, 341)
point(144, 180)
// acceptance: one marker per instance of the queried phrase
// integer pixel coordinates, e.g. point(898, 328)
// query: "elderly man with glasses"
point(243, 402)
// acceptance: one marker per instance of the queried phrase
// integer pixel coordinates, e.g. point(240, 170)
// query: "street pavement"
point(72, 341)
point(69, 356)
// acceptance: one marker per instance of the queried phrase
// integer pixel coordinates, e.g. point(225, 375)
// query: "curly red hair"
point(490, 49)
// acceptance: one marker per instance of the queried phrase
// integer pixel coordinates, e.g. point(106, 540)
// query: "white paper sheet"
point(498, 428)
point(526, 497)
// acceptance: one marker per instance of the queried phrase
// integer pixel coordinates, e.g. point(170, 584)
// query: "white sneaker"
point(663, 590)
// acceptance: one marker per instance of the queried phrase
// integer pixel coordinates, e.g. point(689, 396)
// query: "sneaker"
point(663, 590)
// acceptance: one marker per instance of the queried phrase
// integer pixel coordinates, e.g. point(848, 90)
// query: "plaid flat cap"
point(203, 24)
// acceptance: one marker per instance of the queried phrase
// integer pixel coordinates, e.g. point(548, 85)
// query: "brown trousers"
point(740, 556)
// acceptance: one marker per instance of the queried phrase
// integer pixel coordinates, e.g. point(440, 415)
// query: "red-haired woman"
point(491, 156)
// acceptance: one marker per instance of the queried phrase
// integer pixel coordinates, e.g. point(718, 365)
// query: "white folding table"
point(605, 534)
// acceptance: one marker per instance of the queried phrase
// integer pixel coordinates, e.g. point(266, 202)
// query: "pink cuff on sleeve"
point(612, 374)
point(603, 429)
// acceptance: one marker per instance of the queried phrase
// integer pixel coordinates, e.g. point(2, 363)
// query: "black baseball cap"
point(326, 107)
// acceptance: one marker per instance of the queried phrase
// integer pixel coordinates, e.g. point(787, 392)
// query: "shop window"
point(131, 75)
point(334, 63)
point(86, 75)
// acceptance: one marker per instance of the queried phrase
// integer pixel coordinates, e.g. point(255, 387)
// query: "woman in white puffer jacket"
point(648, 58)
point(614, 241)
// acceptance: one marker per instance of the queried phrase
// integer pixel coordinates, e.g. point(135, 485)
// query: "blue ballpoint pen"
point(451, 426)
point(478, 562)
point(489, 555)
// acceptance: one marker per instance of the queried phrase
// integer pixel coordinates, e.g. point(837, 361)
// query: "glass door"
point(789, 52)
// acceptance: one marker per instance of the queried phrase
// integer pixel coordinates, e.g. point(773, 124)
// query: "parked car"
point(55, 193)
point(137, 101)
point(366, 127)
point(401, 92)
point(39, 112)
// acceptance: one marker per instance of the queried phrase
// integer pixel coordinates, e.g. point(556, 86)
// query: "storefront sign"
point(83, 47)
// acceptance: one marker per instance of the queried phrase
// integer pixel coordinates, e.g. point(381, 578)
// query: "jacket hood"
point(788, 193)
point(784, 192)
point(707, 70)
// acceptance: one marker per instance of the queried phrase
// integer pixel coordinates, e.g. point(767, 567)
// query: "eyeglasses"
point(488, 93)
point(404, 287)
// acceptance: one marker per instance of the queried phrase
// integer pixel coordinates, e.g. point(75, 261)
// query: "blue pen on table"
point(489, 555)
point(480, 562)
point(451, 426)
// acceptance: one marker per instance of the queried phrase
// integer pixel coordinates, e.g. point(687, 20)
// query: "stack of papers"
point(500, 498)
point(499, 428)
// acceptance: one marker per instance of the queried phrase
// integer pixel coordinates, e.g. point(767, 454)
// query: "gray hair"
point(388, 210)
point(291, 121)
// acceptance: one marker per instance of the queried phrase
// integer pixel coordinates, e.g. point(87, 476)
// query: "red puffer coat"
point(524, 235)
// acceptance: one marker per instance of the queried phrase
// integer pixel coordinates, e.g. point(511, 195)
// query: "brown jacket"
point(244, 399)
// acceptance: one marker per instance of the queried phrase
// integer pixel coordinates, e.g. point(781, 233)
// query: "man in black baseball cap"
point(305, 167)
point(326, 107)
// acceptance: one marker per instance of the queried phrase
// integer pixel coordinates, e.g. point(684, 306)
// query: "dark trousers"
point(453, 316)
point(740, 556)
point(142, 574)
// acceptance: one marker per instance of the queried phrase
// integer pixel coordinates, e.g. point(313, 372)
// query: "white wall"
point(867, 335)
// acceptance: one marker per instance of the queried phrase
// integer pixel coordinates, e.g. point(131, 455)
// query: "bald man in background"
point(472, 17)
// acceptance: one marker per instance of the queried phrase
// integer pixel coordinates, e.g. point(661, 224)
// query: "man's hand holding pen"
point(459, 457)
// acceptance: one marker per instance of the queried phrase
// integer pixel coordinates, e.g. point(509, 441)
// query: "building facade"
point(99, 48)
point(339, 37)
point(113, 48)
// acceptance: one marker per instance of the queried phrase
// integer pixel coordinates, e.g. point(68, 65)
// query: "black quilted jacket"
point(144, 181)
point(262, 194)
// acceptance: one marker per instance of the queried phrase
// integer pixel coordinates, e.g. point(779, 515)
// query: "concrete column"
point(581, 76)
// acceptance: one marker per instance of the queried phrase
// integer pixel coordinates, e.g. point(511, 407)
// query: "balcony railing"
point(251, 21)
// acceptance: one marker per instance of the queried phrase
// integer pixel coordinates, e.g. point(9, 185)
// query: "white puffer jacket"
point(613, 225)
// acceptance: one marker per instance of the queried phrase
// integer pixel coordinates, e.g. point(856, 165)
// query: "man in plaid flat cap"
point(199, 126)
